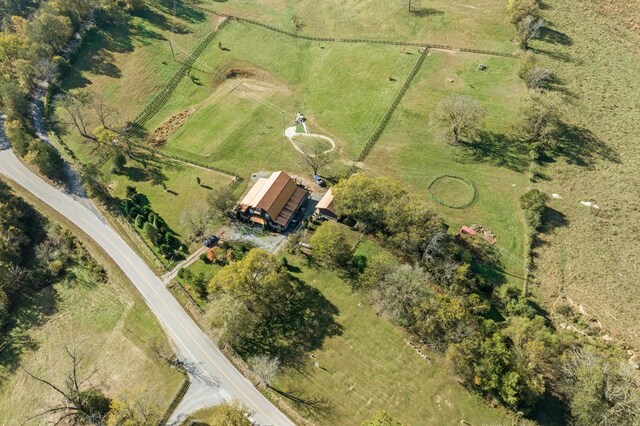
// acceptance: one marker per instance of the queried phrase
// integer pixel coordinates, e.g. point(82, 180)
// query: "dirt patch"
point(239, 73)
point(169, 126)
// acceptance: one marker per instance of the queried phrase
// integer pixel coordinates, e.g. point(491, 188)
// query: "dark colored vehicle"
point(319, 181)
point(211, 241)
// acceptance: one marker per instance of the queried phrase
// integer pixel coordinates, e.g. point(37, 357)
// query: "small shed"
point(325, 209)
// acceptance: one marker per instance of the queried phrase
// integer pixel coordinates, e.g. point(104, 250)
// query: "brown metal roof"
point(275, 195)
point(290, 208)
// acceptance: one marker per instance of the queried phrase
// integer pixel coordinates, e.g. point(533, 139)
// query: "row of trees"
point(440, 294)
point(33, 253)
point(154, 228)
point(33, 36)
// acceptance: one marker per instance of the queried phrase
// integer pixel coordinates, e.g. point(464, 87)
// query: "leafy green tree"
point(261, 309)
point(119, 162)
point(230, 414)
point(140, 221)
point(199, 284)
point(18, 136)
point(51, 29)
point(47, 159)
point(134, 408)
point(485, 364)
point(460, 117)
point(381, 418)
point(541, 126)
point(517, 10)
point(364, 199)
point(533, 202)
point(330, 245)
point(151, 231)
point(95, 182)
point(379, 266)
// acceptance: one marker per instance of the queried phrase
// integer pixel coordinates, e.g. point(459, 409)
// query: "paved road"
point(202, 357)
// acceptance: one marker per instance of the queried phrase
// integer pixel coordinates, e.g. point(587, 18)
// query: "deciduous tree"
point(329, 244)
point(460, 117)
point(230, 414)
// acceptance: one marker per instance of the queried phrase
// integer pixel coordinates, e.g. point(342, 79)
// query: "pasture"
point(370, 367)
point(589, 257)
point(412, 149)
point(107, 324)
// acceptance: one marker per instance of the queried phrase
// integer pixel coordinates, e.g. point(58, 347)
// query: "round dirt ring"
point(452, 191)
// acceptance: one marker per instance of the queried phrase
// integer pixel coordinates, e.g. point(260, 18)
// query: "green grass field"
point(183, 192)
point(587, 254)
point(412, 150)
point(481, 24)
point(370, 367)
point(238, 124)
point(109, 327)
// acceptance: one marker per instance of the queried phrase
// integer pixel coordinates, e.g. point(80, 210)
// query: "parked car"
point(211, 241)
point(319, 181)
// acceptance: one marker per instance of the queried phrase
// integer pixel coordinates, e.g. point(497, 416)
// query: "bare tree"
point(220, 202)
point(538, 78)
point(197, 219)
point(165, 354)
point(103, 111)
point(266, 368)
point(529, 28)
point(79, 406)
point(77, 107)
point(318, 158)
point(460, 117)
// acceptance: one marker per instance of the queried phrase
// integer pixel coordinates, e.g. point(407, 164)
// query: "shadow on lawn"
point(579, 146)
point(33, 311)
point(101, 45)
point(495, 148)
point(314, 407)
point(299, 326)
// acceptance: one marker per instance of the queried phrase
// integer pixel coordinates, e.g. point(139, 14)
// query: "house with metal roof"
point(273, 202)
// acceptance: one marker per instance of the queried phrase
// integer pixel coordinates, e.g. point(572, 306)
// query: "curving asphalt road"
point(204, 361)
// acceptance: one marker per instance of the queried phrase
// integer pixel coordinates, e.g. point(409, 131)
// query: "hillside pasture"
point(480, 24)
point(413, 150)
point(242, 85)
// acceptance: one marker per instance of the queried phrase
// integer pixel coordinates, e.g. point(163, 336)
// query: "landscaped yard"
point(411, 148)
point(370, 367)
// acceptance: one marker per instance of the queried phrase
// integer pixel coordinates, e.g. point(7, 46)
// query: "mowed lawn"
point(370, 367)
point(109, 327)
point(480, 24)
point(182, 194)
point(343, 89)
point(413, 150)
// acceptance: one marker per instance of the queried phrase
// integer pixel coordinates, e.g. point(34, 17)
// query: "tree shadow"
point(549, 35)
point(552, 219)
point(559, 56)
point(314, 407)
point(425, 11)
point(497, 149)
point(299, 325)
point(32, 311)
point(182, 9)
point(579, 146)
